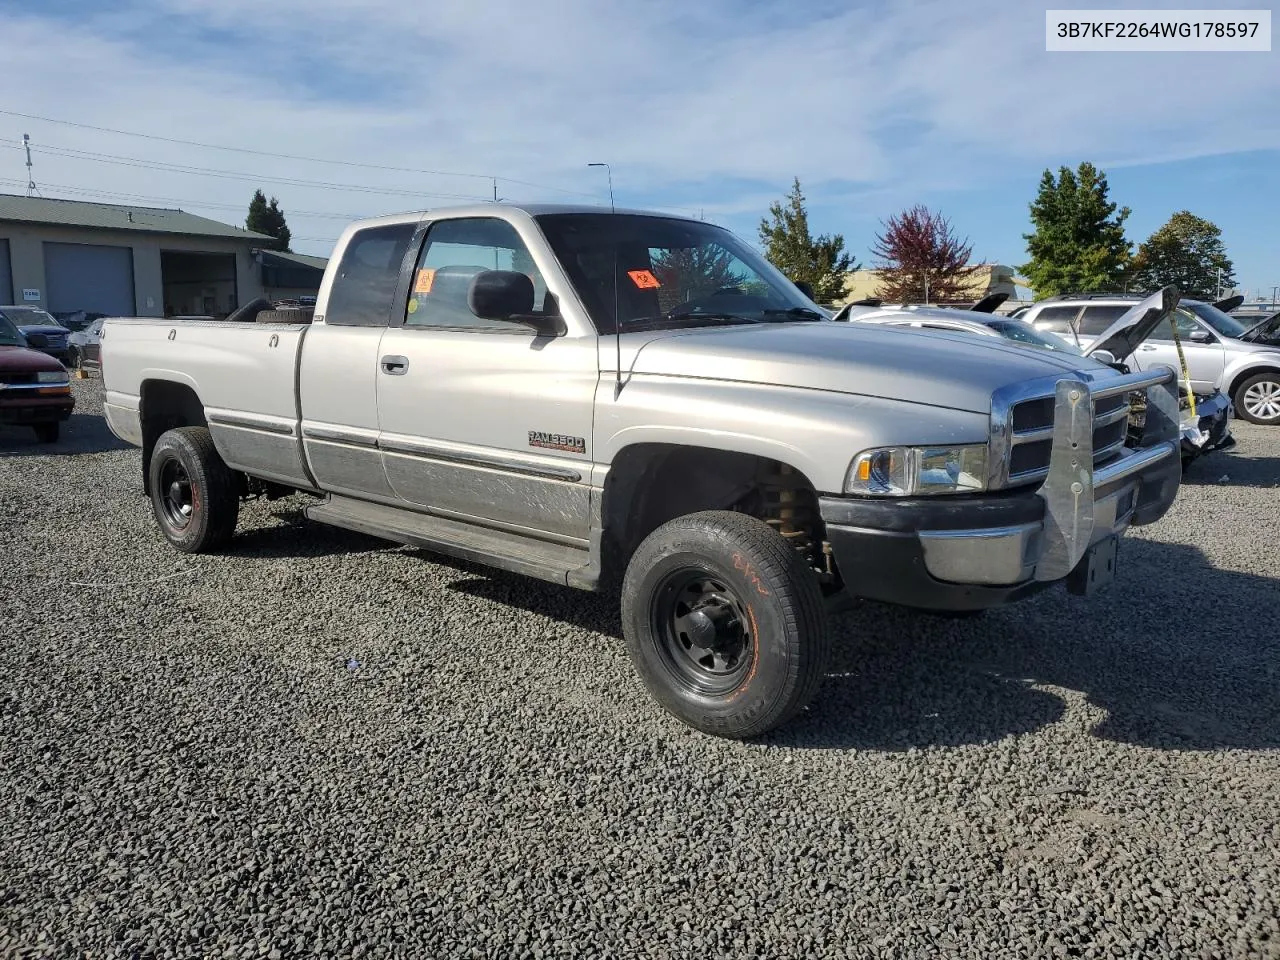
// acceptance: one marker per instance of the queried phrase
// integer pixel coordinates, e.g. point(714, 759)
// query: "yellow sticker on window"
point(413, 304)
point(423, 283)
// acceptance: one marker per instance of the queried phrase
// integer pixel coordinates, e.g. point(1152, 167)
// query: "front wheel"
point(724, 623)
point(193, 492)
point(1258, 398)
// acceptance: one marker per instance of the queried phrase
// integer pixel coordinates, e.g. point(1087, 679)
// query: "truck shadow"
point(1177, 655)
point(81, 433)
point(290, 535)
point(1230, 470)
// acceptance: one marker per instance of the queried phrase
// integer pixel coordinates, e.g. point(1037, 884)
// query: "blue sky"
point(711, 107)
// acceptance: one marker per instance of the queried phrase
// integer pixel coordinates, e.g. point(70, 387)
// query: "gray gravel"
point(322, 745)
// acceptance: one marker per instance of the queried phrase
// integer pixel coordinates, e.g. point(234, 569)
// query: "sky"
point(707, 108)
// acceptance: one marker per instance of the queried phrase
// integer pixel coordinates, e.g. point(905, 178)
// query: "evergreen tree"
point(267, 217)
point(819, 261)
point(921, 260)
point(1079, 244)
point(1187, 251)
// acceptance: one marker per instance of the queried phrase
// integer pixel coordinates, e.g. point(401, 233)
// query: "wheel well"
point(164, 405)
point(1245, 375)
point(650, 484)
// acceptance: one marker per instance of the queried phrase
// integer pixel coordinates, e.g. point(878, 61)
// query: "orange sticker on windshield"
point(423, 283)
point(643, 279)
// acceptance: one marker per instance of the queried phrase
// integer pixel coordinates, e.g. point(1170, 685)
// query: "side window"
point(1186, 325)
point(365, 286)
point(457, 250)
point(1056, 319)
point(1096, 319)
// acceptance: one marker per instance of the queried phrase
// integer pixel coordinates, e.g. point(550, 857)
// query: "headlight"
point(52, 376)
point(918, 471)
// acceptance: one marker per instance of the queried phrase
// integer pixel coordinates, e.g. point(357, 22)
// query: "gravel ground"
point(318, 744)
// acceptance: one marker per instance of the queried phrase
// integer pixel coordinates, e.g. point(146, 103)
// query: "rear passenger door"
point(484, 421)
point(338, 376)
point(1058, 319)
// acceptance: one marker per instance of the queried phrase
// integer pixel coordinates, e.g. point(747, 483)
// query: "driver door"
point(485, 421)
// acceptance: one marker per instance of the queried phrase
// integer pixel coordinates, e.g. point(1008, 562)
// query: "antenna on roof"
point(617, 318)
point(496, 199)
point(31, 183)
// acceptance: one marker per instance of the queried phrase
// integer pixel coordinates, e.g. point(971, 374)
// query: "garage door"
point(80, 276)
point(6, 274)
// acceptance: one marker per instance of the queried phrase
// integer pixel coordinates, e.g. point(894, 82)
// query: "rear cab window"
point(364, 287)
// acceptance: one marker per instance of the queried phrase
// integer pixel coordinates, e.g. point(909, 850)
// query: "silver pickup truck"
point(641, 403)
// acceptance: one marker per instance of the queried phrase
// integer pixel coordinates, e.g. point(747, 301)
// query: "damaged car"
point(1206, 419)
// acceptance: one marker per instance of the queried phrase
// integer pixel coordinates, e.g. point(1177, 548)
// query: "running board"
point(506, 551)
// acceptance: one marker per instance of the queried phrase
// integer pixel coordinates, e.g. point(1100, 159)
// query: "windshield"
point(9, 335)
point(30, 317)
point(668, 272)
point(1223, 323)
point(1021, 332)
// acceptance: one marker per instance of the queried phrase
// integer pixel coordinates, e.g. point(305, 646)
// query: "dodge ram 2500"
point(641, 403)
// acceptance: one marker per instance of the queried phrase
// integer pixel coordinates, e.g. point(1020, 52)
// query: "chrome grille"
point(1023, 435)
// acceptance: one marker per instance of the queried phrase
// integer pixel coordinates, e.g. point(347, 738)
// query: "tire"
point(194, 494)
point(1261, 393)
point(47, 432)
point(750, 598)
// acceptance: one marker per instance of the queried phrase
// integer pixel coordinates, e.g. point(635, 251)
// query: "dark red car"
point(35, 389)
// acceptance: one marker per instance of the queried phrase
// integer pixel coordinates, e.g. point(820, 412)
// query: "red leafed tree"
point(921, 260)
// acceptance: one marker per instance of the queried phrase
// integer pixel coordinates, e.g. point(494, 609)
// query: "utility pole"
point(31, 183)
point(1273, 294)
point(926, 288)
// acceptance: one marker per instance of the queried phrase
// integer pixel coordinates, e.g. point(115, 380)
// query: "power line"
point(288, 156)
point(115, 159)
point(67, 188)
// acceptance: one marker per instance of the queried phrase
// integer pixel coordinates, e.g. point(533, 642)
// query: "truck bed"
point(244, 374)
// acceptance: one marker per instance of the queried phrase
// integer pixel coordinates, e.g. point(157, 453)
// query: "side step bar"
point(506, 551)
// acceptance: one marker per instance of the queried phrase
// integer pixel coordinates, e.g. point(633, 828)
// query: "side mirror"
point(1200, 336)
point(507, 296)
point(805, 288)
point(1104, 356)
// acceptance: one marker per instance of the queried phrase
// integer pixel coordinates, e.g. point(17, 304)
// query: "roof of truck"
point(532, 209)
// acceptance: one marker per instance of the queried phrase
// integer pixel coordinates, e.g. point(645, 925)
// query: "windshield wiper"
point(684, 320)
point(795, 313)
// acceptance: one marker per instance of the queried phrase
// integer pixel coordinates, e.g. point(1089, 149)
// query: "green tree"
point(267, 217)
point(1079, 244)
point(819, 261)
point(1187, 251)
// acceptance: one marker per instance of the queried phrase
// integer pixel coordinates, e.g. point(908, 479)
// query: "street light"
point(609, 171)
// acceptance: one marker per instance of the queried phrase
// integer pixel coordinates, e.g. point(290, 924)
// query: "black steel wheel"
point(705, 631)
point(194, 494)
point(724, 623)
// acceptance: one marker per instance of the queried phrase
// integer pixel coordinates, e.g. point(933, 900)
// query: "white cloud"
point(714, 105)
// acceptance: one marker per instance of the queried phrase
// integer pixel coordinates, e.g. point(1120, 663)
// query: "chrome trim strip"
point(1031, 436)
point(252, 422)
point(53, 385)
point(338, 435)
point(428, 451)
point(987, 533)
point(1115, 416)
point(1133, 463)
point(1101, 389)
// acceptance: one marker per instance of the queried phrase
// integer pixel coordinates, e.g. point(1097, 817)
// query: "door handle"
point(1147, 346)
point(395, 366)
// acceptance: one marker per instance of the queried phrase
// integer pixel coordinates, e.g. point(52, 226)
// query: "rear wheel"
point(1258, 398)
point(193, 492)
point(47, 432)
point(724, 623)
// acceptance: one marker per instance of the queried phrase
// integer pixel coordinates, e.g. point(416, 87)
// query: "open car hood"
point(1264, 329)
point(1131, 328)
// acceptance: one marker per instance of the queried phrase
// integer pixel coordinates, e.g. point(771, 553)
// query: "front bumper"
point(26, 410)
point(969, 553)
